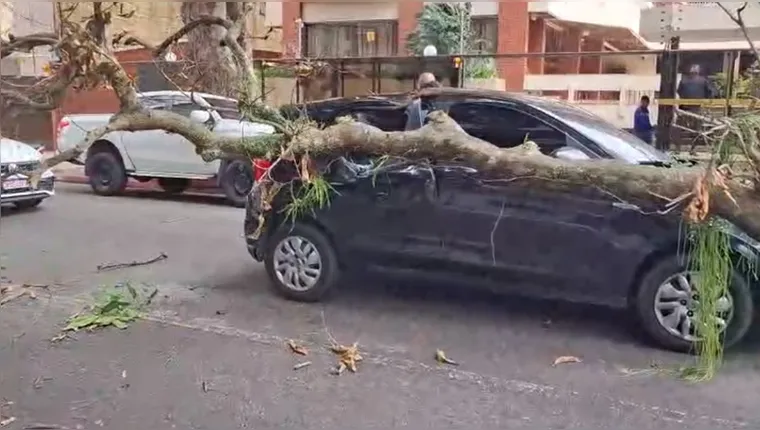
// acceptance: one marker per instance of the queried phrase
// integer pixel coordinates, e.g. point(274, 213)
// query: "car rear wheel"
point(667, 301)
point(237, 182)
point(106, 173)
point(301, 263)
point(174, 185)
point(28, 204)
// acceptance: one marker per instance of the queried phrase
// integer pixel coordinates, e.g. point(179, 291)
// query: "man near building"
point(642, 123)
point(693, 86)
point(415, 115)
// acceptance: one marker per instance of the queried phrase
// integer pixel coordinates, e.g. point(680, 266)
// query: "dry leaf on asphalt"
point(297, 349)
point(440, 357)
point(9, 293)
point(566, 360)
point(348, 357)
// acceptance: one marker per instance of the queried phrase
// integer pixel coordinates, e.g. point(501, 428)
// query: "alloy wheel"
point(297, 263)
point(676, 306)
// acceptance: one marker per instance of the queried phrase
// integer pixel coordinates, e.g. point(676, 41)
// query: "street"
point(212, 352)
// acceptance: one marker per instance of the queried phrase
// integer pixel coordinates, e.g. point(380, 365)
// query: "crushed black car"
point(450, 222)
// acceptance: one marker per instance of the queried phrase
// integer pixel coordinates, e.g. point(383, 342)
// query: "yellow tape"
point(708, 102)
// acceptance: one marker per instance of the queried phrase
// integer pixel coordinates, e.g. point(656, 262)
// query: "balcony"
point(697, 23)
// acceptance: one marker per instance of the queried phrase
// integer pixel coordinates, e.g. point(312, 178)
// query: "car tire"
point(237, 182)
point(650, 293)
point(174, 185)
point(106, 173)
point(314, 250)
point(27, 204)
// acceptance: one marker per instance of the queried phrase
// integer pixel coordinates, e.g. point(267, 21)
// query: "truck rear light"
point(62, 124)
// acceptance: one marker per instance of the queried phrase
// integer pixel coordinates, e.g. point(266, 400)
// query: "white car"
point(17, 161)
point(168, 157)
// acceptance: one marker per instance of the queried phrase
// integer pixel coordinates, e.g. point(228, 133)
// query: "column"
point(513, 39)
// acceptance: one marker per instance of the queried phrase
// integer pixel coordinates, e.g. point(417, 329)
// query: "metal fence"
point(607, 83)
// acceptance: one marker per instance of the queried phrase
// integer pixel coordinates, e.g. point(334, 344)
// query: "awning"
point(621, 38)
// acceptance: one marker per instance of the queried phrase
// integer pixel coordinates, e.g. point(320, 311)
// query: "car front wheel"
point(301, 263)
point(667, 305)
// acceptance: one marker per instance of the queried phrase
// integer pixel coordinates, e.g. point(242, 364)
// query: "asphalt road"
point(212, 353)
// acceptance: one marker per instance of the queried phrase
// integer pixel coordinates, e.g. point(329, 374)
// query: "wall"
point(698, 22)
point(21, 18)
point(336, 12)
point(152, 22)
point(618, 13)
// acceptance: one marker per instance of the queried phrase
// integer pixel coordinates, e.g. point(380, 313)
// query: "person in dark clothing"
point(693, 86)
point(642, 124)
point(415, 115)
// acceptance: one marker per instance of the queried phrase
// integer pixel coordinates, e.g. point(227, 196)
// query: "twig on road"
point(119, 266)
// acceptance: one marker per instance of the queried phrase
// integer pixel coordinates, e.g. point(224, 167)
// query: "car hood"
point(13, 151)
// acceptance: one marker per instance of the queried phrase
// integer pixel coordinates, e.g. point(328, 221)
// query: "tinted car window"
point(619, 143)
point(506, 127)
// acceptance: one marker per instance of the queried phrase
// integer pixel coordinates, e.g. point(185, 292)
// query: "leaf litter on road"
point(116, 307)
point(568, 359)
point(9, 293)
point(348, 358)
point(297, 349)
point(440, 357)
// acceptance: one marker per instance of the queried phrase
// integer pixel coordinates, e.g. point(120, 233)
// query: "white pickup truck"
point(168, 157)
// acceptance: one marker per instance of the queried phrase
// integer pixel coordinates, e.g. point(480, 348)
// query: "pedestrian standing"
point(642, 123)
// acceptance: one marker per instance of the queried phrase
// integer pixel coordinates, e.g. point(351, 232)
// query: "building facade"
point(340, 29)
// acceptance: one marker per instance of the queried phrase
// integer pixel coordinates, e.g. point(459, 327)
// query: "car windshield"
point(227, 109)
point(619, 143)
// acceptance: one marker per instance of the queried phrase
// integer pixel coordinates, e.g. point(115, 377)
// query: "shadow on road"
point(208, 198)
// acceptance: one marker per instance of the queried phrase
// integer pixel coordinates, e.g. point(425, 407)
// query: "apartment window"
point(486, 34)
point(355, 39)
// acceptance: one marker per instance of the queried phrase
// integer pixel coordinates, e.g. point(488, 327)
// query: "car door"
point(158, 153)
point(385, 215)
point(517, 232)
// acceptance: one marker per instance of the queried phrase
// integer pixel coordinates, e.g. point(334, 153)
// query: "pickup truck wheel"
point(106, 173)
point(237, 182)
point(174, 185)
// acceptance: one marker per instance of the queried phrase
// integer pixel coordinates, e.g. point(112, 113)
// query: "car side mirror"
point(570, 154)
point(200, 116)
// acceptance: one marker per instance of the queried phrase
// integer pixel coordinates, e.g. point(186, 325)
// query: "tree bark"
point(213, 68)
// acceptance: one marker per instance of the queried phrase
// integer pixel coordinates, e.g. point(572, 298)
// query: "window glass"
point(505, 127)
point(184, 109)
point(356, 39)
point(227, 109)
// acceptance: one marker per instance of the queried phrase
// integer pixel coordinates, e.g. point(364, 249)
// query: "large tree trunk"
point(212, 68)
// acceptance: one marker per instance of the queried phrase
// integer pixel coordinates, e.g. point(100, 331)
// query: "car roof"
point(460, 93)
point(170, 93)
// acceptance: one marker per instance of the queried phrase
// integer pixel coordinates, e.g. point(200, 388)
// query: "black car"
point(450, 222)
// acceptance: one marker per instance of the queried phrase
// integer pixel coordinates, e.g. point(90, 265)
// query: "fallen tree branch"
point(27, 43)
point(118, 266)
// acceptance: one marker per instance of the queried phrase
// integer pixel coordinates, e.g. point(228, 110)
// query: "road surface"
point(212, 352)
